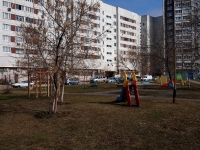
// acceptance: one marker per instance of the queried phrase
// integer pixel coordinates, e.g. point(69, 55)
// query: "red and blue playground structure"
point(125, 94)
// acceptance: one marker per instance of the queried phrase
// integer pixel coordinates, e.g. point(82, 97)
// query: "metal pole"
point(174, 90)
point(28, 78)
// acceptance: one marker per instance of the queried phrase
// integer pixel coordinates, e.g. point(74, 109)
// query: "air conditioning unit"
point(9, 9)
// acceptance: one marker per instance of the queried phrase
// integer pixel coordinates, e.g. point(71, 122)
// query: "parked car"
point(111, 80)
point(98, 79)
point(154, 78)
point(22, 84)
point(71, 81)
point(146, 78)
point(138, 78)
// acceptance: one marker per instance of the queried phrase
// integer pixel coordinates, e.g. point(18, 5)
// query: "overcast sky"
point(141, 7)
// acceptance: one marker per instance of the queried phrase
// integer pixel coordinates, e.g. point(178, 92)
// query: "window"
point(109, 46)
point(98, 18)
point(40, 22)
point(169, 2)
point(19, 51)
point(114, 44)
point(177, 18)
point(6, 15)
point(114, 16)
point(185, 17)
point(169, 14)
point(169, 20)
point(102, 12)
point(178, 24)
point(169, 8)
point(109, 39)
point(28, 9)
point(115, 37)
point(40, 2)
point(29, 0)
point(170, 27)
point(108, 24)
point(6, 26)
point(29, 20)
point(178, 11)
point(109, 53)
point(6, 38)
point(18, 29)
point(19, 18)
point(19, 7)
point(18, 39)
point(186, 10)
point(108, 16)
point(6, 49)
point(7, 4)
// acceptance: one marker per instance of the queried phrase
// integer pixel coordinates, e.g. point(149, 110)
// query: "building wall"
point(180, 32)
point(119, 31)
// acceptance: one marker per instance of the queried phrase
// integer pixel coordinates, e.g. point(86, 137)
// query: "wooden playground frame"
point(42, 83)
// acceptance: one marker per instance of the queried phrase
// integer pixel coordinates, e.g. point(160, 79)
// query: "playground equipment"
point(171, 82)
point(125, 91)
point(42, 83)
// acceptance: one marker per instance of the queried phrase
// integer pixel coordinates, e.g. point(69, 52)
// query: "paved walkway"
point(166, 96)
point(196, 82)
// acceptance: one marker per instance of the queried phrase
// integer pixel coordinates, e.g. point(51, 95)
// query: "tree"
point(129, 60)
point(53, 42)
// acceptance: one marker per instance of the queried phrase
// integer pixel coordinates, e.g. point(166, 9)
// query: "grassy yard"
point(96, 122)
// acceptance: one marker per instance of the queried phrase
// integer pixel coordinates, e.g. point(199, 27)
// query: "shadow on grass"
point(121, 104)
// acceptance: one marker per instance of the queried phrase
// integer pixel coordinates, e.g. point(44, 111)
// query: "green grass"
point(95, 122)
point(84, 88)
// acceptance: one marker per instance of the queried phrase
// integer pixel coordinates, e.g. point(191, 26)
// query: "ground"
point(92, 121)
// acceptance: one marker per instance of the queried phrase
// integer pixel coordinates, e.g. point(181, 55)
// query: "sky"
point(141, 7)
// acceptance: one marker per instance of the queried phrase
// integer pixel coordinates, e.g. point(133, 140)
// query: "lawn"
point(96, 122)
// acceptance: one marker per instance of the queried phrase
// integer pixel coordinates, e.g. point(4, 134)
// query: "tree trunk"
point(62, 94)
point(56, 79)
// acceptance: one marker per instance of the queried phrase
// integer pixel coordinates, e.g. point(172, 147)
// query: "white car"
point(146, 78)
point(99, 79)
point(21, 84)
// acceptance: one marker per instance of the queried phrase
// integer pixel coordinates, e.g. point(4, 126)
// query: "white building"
point(118, 31)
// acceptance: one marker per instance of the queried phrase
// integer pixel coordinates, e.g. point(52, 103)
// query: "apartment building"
point(12, 13)
point(182, 32)
point(116, 32)
point(152, 39)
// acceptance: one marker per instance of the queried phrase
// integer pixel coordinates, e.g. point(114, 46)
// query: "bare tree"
point(53, 42)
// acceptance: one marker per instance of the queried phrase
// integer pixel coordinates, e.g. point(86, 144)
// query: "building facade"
point(117, 32)
point(181, 19)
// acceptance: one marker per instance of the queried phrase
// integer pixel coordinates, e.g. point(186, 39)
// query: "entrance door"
point(16, 78)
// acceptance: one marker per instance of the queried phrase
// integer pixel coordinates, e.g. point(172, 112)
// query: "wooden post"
point(48, 84)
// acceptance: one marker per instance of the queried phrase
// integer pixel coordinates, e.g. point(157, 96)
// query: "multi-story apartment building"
point(12, 13)
point(182, 32)
point(152, 38)
point(116, 32)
